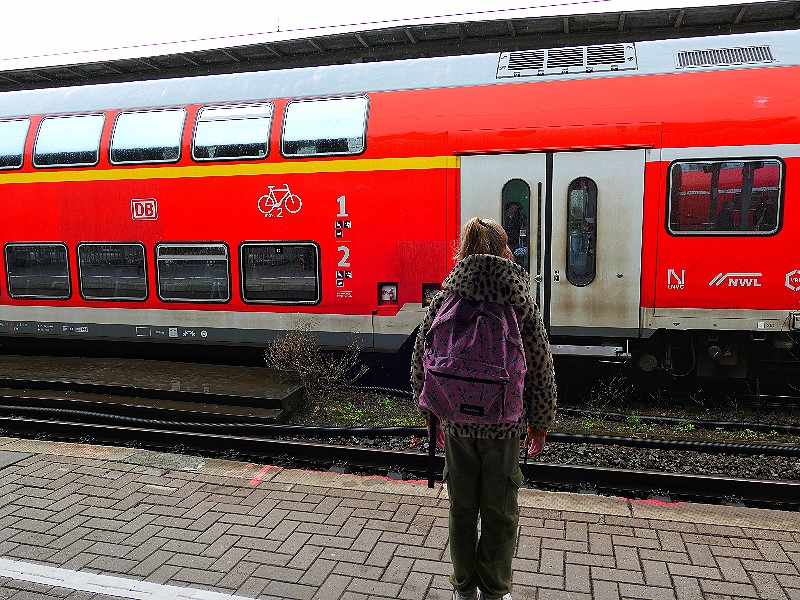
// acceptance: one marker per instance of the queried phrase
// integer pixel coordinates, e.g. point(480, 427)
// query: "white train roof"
point(739, 51)
point(296, 43)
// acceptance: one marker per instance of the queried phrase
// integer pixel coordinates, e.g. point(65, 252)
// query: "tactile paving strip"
point(9, 458)
point(68, 449)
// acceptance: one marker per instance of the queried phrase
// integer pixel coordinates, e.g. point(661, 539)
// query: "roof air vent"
point(724, 57)
point(559, 58)
point(527, 59)
point(567, 61)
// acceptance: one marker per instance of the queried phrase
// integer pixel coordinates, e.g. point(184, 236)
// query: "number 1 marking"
point(342, 209)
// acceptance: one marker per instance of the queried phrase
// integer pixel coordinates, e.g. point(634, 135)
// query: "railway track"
point(208, 427)
point(601, 479)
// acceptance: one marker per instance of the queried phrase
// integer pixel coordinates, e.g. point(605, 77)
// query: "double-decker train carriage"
point(647, 187)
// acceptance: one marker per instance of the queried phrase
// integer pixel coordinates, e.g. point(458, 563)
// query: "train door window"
point(12, 142)
point(232, 132)
point(193, 272)
point(327, 126)
point(152, 136)
point(280, 272)
point(37, 271)
point(581, 231)
point(69, 141)
point(733, 197)
point(516, 220)
point(112, 272)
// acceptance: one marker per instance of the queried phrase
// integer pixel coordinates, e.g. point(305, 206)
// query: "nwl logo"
point(144, 209)
point(675, 281)
point(737, 279)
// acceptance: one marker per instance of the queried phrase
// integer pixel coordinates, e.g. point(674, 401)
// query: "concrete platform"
point(235, 385)
point(97, 522)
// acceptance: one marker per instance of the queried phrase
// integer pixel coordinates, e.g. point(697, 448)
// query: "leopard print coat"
point(496, 279)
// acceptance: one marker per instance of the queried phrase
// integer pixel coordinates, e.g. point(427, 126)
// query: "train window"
point(12, 142)
point(327, 126)
point(37, 271)
point(193, 272)
point(236, 131)
point(516, 220)
point(280, 272)
point(112, 272)
point(581, 231)
point(152, 136)
point(739, 197)
point(70, 141)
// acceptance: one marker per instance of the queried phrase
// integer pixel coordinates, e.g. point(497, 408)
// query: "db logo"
point(144, 208)
point(793, 280)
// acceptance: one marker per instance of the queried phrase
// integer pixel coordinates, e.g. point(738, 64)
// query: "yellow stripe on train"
point(218, 170)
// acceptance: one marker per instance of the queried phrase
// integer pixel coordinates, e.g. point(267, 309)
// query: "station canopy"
point(420, 40)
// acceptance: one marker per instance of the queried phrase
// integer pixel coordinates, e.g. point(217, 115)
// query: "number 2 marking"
point(345, 255)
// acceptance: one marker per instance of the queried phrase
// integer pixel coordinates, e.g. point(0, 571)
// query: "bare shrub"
point(322, 372)
point(617, 391)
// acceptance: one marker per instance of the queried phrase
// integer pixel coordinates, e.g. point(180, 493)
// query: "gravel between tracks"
point(672, 461)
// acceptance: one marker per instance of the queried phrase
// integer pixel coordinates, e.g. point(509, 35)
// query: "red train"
point(646, 186)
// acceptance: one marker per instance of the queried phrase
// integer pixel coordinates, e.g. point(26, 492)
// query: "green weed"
point(592, 423)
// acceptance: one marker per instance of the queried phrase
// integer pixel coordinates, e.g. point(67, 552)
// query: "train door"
point(509, 188)
point(575, 222)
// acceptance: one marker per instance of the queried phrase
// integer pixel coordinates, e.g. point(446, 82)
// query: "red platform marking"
point(259, 476)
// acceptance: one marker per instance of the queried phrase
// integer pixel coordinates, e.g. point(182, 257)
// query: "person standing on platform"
point(482, 460)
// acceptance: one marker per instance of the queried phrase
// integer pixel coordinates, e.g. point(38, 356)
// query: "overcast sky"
point(49, 32)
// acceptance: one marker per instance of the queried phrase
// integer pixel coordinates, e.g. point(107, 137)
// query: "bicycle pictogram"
point(273, 206)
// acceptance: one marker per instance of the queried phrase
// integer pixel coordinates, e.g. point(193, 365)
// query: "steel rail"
point(682, 445)
point(259, 427)
point(604, 479)
point(674, 484)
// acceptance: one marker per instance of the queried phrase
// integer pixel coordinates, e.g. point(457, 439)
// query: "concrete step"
point(174, 386)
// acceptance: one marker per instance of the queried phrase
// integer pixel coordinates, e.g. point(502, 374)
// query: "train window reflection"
point(581, 231)
point(69, 141)
point(516, 220)
point(237, 131)
point(280, 272)
point(112, 272)
point(733, 197)
point(193, 272)
point(325, 127)
point(12, 142)
point(37, 271)
point(148, 136)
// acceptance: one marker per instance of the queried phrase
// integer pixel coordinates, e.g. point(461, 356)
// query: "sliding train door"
point(574, 221)
point(596, 242)
point(509, 188)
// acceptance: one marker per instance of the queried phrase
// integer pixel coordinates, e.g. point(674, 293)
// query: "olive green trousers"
point(483, 478)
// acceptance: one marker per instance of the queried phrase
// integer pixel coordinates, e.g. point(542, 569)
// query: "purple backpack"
point(474, 363)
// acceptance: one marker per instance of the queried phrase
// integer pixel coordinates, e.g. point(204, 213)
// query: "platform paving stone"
point(242, 530)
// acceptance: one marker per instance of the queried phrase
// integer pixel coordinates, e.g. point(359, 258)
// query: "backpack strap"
point(433, 423)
